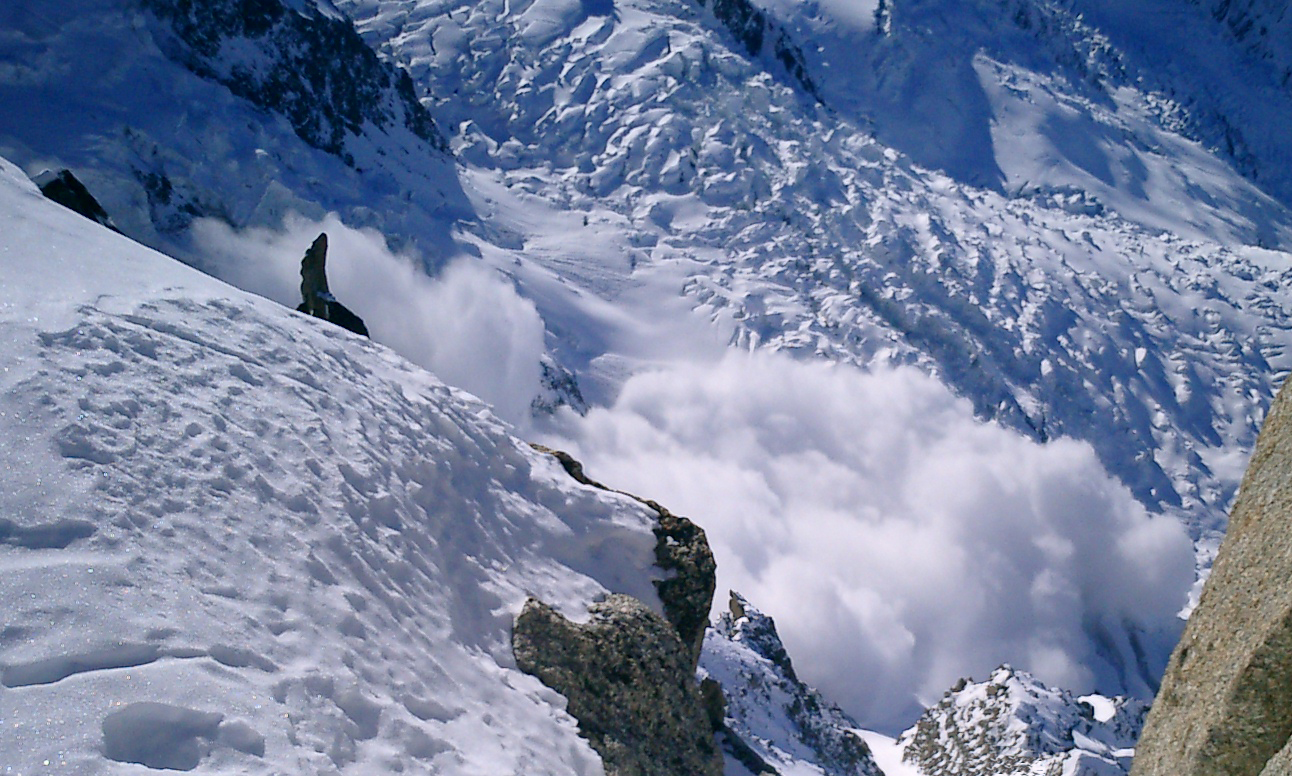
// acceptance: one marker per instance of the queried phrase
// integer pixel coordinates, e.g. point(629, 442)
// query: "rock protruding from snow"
point(771, 715)
point(1226, 700)
point(629, 682)
point(1013, 724)
point(630, 674)
point(316, 299)
point(759, 35)
point(67, 190)
point(682, 551)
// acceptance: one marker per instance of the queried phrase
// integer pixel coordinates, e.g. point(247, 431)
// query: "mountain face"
point(773, 720)
point(312, 69)
point(1012, 724)
point(1073, 213)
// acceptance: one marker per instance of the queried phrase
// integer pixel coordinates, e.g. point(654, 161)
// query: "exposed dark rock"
point(769, 711)
point(756, 33)
point(64, 188)
point(629, 675)
point(320, 74)
point(316, 299)
point(628, 681)
point(560, 388)
point(1225, 706)
point(680, 547)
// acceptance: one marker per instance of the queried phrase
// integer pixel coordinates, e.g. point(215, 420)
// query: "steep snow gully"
point(952, 322)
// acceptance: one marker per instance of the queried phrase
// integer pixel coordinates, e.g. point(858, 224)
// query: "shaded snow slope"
point(238, 538)
point(113, 92)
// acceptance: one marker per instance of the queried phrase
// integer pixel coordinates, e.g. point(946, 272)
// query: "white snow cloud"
point(899, 542)
point(467, 325)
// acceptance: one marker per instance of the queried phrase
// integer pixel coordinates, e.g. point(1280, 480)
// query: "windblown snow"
point(239, 538)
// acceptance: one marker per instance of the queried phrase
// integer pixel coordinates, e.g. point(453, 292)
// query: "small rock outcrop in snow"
point(1013, 725)
point(67, 190)
point(629, 675)
point(773, 721)
point(316, 299)
point(682, 550)
point(1225, 706)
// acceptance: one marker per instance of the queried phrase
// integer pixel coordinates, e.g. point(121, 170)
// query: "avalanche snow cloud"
point(468, 325)
point(901, 543)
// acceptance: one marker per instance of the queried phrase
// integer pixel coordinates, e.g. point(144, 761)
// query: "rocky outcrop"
point(629, 682)
point(558, 387)
point(757, 33)
point(64, 188)
point(313, 69)
point(682, 550)
point(1225, 706)
point(772, 719)
point(629, 674)
point(1013, 725)
point(316, 299)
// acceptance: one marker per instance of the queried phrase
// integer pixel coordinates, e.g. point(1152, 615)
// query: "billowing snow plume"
point(468, 325)
point(901, 543)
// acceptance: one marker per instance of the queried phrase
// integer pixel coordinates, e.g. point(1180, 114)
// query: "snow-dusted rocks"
point(1012, 725)
point(295, 60)
point(629, 674)
point(770, 714)
point(241, 540)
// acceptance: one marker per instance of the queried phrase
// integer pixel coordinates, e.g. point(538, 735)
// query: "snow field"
point(242, 540)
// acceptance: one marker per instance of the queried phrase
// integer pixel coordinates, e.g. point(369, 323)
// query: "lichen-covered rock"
point(1225, 707)
point(629, 675)
point(682, 550)
point(628, 681)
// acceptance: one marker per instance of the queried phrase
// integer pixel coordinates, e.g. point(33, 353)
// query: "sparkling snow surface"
point(1051, 208)
point(234, 536)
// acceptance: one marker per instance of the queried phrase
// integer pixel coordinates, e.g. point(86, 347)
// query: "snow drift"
point(240, 538)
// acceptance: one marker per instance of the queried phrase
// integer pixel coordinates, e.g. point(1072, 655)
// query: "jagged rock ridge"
point(1013, 725)
point(772, 718)
point(313, 69)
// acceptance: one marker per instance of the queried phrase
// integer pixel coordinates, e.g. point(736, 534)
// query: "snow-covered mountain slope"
point(172, 111)
point(1096, 278)
point(1059, 209)
point(1100, 237)
point(242, 540)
